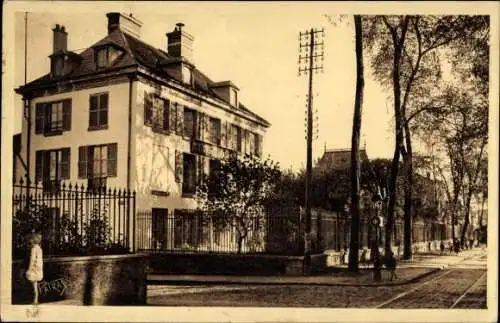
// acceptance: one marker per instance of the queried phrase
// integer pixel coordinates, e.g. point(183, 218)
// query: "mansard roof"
point(135, 53)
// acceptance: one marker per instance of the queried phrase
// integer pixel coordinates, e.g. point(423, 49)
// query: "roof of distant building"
point(339, 158)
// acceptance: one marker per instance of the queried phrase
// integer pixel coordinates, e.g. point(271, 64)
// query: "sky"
point(256, 48)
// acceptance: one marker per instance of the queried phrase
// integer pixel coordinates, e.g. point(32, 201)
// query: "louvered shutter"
point(148, 109)
point(166, 114)
point(180, 120)
point(178, 166)
point(223, 134)
point(39, 161)
point(198, 119)
point(39, 117)
point(258, 143)
point(173, 117)
point(67, 115)
point(112, 160)
point(83, 161)
point(65, 163)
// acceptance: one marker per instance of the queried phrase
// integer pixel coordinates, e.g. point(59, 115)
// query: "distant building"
point(339, 158)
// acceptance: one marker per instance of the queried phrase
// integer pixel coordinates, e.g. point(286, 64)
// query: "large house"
point(126, 114)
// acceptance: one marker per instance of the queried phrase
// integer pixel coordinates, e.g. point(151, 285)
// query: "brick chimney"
point(180, 43)
point(126, 23)
point(60, 42)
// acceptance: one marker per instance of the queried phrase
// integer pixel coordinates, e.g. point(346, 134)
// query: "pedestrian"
point(391, 265)
point(441, 246)
point(35, 268)
point(457, 246)
point(450, 246)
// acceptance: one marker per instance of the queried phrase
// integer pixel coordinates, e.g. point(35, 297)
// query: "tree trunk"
point(398, 49)
point(408, 216)
point(466, 219)
point(355, 165)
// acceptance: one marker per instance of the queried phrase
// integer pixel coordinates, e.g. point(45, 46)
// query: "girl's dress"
point(35, 268)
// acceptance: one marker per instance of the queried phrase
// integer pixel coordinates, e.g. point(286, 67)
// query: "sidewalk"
point(408, 272)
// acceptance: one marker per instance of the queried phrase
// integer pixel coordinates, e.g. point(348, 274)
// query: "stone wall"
point(231, 264)
point(90, 280)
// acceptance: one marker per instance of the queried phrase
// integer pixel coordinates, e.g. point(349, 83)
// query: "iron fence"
point(203, 232)
point(73, 219)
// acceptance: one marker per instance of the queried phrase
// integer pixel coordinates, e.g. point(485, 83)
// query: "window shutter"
point(83, 162)
point(39, 161)
point(67, 115)
point(166, 114)
point(180, 119)
point(112, 157)
point(65, 163)
point(198, 121)
point(223, 134)
point(148, 109)
point(258, 143)
point(178, 166)
point(39, 117)
point(173, 117)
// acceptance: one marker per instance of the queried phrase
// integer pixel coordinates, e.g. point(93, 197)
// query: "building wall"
point(154, 161)
point(79, 134)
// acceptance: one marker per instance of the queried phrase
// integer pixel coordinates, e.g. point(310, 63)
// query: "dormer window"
point(234, 97)
point(58, 65)
point(186, 75)
point(105, 56)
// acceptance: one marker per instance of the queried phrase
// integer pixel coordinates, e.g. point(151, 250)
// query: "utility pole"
point(312, 61)
point(27, 109)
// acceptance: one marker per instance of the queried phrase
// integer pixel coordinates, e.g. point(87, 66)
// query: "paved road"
point(461, 285)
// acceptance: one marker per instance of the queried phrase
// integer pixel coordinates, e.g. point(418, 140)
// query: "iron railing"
point(73, 218)
point(203, 232)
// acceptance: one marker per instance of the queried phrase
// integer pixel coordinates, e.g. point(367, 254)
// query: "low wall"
point(89, 280)
point(336, 258)
point(231, 264)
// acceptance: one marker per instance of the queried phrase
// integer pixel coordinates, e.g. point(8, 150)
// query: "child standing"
point(35, 269)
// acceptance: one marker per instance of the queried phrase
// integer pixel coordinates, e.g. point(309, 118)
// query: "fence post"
point(133, 223)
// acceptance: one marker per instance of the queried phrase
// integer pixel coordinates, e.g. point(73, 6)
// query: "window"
point(186, 75)
point(96, 163)
point(214, 165)
point(189, 122)
point(52, 118)
point(215, 131)
point(105, 56)
point(189, 174)
point(234, 97)
point(156, 112)
point(236, 138)
point(58, 65)
point(52, 166)
point(98, 111)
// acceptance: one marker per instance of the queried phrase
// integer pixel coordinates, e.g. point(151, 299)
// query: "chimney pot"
point(60, 39)
point(125, 22)
point(180, 43)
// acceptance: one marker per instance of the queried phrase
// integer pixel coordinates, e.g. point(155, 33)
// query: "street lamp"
point(377, 223)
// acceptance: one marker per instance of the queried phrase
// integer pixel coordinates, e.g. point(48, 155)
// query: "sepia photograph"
point(249, 161)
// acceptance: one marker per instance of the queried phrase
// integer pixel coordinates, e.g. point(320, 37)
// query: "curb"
point(234, 282)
